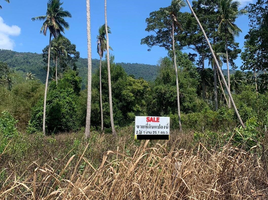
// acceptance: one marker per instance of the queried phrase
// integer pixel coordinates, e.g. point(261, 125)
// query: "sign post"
point(152, 128)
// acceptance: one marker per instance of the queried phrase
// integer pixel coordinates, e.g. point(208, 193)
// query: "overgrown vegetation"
point(212, 158)
point(104, 168)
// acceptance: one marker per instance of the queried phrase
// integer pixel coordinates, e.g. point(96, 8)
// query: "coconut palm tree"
point(87, 130)
point(228, 12)
point(217, 63)
point(6, 1)
point(58, 49)
point(174, 8)
point(109, 71)
point(101, 47)
point(55, 23)
point(216, 76)
point(30, 76)
point(176, 72)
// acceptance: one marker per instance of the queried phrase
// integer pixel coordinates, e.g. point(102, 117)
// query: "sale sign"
point(152, 128)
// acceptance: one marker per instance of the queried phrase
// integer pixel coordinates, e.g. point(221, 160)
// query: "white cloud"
point(5, 32)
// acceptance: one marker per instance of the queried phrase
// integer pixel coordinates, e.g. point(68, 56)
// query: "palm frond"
point(39, 18)
point(54, 18)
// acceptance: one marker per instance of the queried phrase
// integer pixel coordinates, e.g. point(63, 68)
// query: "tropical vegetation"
point(67, 129)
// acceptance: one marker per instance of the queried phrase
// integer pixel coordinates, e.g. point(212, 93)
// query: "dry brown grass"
point(153, 171)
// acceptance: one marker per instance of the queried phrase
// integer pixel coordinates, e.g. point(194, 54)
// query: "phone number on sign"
point(140, 132)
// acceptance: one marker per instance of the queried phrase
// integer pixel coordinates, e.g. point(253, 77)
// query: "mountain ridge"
point(33, 62)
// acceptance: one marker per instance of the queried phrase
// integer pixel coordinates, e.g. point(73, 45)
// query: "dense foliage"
point(213, 146)
point(33, 62)
point(144, 89)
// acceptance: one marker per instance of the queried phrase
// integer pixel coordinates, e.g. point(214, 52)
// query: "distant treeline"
point(33, 62)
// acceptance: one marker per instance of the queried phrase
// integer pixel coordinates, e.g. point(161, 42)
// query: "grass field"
point(67, 166)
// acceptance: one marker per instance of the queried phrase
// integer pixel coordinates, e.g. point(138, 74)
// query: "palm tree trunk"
point(222, 90)
point(177, 81)
point(101, 110)
point(203, 81)
point(109, 72)
point(46, 87)
point(228, 70)
point(56, 70)
point(217, 64)
point(87, 130)
point(255, 80)
point(215, 87)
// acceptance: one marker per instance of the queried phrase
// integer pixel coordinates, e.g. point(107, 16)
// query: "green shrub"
point(247, 137)
point(8, 129)
point(60, 115)
point(210, 139)
point(221, 120)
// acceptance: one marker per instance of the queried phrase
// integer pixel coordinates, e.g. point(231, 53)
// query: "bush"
point(8, 129)
point(247, 137)
point(221, 120)
point(61, 114)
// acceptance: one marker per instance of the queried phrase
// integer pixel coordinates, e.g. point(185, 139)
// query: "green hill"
point(33, 62)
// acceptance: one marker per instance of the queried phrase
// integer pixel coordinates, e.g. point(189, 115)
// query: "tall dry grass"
point(153, 171)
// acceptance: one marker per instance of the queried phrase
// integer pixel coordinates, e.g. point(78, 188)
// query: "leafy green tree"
point(238, 80)
point(62, 52)
point(20, 99)
point(263, 83)
point(62, 105)
point(5, 75)
point(212, 62)
point(160, 22)
point(132, 101)
point(228, 12)
point(54, 21)
point(217, 64)
point(129, 96)
point(70, 79)
point(58, 49)
point(89, 90)
point(101, 48)
point(164, 22)
point(193, 38)
point(206, 83)
point(6, 1)
point(255, 55)
point(25, 96)
point(163, 100)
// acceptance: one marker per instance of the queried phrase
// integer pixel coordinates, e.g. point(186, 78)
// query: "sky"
point(126, 19)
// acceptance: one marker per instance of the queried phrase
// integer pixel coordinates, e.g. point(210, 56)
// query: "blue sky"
point(126, 19)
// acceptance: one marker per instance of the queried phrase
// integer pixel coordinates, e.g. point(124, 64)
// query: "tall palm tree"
point(6, 1)
point(228, 12)
point(216, 76)
point(58, 49)
point(87, 130)
point(109, 72)
point(54, 21)
point(176, 72)
point(101, 47)
point(217, 63)
point(174, 8)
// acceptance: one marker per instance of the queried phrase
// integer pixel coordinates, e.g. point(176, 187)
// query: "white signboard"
point(147, 127)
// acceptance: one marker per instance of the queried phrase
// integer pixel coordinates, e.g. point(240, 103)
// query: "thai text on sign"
point(147, 127)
